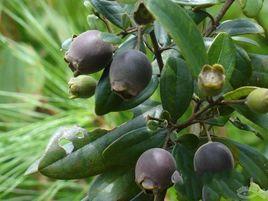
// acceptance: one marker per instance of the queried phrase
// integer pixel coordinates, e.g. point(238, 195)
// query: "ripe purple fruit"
point(88, 53)
point(154, 169)
point(130, 73)
point(213, 157)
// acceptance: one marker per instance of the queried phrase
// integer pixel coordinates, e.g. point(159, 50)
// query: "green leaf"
point(107, 101)
point(176, 87)
point(111, 10)
point(239, 27)
point(221, 185)
point(259, 76)
point(251, 8)
point(183, 30)
point(239, 93)
point(192, 185)
point(242, 70)
point(81, 157)
point(110, 38)
point(113, 186)
point(222, 51)
point(258, 119)
point(197, 2)
point(254, 163)
point(256, 193)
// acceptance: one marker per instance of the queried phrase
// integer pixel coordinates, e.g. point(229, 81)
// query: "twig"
point(157, 51)
point(139, 38)
point(218, 18)
point(228, 102)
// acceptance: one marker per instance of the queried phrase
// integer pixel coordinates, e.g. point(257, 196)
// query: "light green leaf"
point(183, 30)
point(239, 93)
point(110, 38)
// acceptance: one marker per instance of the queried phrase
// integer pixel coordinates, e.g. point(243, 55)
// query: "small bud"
point(165, 115)
point(142, 16)
point(257, 100)
point(213, 157)
point(82, 86)
point(154, 170)
point(211, 80)
point(152, 125)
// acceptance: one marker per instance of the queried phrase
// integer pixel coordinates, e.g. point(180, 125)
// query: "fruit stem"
point(157, 50)
point(207, 132)
point(160, 196)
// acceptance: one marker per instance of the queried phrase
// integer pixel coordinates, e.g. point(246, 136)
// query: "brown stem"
point(218, 18)
point(230, 102)
point(157, 51)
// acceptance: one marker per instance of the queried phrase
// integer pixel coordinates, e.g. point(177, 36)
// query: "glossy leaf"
point(239, 93)
point(239, 27)
point(111, 10)
point(85, 158)
point(113, 186)
point(222, 51)
point(242, 70)
point(259, 76)
point(187, 37)
point(176, 87)
point(107, 101)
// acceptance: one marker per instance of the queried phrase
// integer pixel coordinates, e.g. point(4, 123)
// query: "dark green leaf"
point(242, 70)
point(222, 51)
point(239, 27)
point(113, 186)
point(192, 185)
point(183, 30)
point(111, 10)
point(107, 101)
point(259, 76)
point(86, 159)
point(176, 87)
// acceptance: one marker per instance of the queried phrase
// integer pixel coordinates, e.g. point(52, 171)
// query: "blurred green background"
point(34, 93)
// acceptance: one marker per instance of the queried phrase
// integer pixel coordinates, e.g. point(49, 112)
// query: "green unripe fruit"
point(88, 53)
point(130, 73)
point(142, 16)
point(82, 86)
point(154, 170)
point(213, 157)
point(211, 80)
point(257, 100)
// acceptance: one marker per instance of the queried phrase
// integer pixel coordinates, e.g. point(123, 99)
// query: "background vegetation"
point(34, 93)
